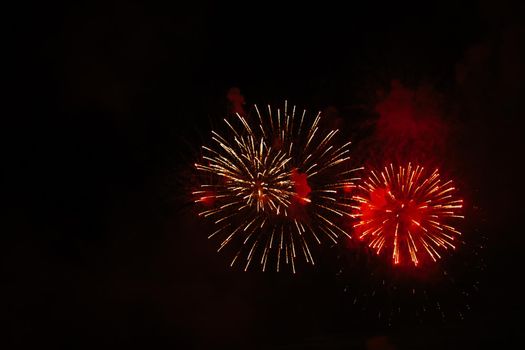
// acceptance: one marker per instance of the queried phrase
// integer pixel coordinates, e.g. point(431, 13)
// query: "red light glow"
point(405, 213)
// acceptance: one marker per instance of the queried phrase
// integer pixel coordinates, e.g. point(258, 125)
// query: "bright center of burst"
point(258, 188)
point(405, 213)
point(269, 195)
point(402, 212)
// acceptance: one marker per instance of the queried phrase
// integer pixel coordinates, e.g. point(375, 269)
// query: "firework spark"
point(406, 213)
point(274, 184)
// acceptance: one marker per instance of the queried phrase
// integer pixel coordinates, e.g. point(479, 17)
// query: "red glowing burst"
point(406, 213)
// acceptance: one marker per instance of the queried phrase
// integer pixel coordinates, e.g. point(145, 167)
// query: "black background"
point(108, 103)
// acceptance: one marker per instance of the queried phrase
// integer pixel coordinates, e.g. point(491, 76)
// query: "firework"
point(274, 183)
point(406, 213)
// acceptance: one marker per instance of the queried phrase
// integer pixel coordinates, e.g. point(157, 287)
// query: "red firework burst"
point(406, 213)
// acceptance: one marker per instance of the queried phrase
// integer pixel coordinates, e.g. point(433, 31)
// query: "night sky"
point(109, 102)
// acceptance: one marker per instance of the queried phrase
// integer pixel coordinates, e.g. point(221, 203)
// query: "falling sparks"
point(405, 213)
point(273, 184)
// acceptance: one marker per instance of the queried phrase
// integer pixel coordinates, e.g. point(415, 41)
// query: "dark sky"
point(109, 102)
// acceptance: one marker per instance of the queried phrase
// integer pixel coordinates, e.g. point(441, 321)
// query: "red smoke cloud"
point(301, 187)
point(298, 207)
point(410, 123)
point(236, 101)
